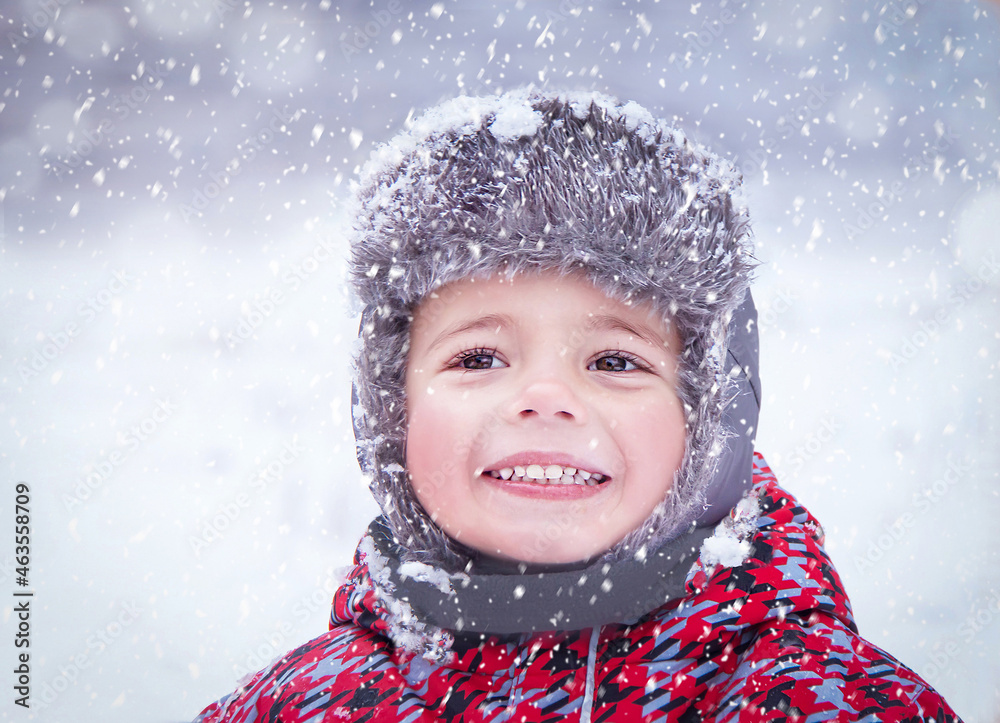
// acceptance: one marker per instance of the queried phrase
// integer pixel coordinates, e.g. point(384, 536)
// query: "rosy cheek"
point(429, 450)
point(419, 454)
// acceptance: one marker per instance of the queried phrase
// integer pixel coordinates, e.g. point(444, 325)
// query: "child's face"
point(540, 372)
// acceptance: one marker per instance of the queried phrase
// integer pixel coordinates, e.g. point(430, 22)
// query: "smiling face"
point(543, 422)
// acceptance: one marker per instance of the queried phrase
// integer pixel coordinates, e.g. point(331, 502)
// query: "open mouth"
point(550, 474)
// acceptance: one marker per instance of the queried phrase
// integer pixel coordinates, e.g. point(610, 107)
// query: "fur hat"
point(529, 181)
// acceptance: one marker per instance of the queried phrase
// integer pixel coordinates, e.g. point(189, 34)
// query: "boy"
point(556, 402)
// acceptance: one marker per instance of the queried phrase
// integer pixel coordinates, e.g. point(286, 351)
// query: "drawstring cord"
point(588, 693)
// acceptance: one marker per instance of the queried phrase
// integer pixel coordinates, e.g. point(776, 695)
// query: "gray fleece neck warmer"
point(566, 183)
point(530, 601)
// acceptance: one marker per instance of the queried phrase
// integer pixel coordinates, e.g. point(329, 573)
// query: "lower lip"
point(545, 491)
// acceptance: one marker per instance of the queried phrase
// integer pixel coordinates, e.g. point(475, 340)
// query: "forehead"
point(571, 301)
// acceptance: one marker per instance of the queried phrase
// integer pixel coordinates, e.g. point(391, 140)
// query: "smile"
point(551, 474)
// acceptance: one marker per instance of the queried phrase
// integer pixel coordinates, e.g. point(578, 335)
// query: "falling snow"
point(174, 177)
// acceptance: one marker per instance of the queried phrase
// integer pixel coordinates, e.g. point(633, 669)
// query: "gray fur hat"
point(571, 183)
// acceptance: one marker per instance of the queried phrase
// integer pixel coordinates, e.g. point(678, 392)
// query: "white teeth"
point(549, 474)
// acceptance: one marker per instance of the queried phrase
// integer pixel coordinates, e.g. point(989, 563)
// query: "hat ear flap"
point(734, 475)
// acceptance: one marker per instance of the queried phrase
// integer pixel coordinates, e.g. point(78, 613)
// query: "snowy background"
point(174, 375)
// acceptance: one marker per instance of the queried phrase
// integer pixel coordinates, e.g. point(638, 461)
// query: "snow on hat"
point(571, 183)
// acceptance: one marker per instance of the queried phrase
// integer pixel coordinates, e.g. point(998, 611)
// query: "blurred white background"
point(174, 364)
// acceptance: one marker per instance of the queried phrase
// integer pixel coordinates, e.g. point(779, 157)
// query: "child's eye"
point(617, 362)
point(477, 359)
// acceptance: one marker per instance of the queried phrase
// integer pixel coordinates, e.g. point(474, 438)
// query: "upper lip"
point(523, 459)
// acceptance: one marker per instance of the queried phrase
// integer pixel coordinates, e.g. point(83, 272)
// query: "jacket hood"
point(710, 578)
point(566, 183)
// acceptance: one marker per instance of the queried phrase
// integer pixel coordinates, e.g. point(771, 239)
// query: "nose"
point(549, 397)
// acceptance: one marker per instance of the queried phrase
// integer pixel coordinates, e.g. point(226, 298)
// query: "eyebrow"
point(489, 322)
point(605, 322)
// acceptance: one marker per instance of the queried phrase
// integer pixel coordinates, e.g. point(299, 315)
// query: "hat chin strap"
point(734, 475)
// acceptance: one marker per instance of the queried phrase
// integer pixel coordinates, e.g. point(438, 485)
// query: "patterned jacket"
point(770, 639)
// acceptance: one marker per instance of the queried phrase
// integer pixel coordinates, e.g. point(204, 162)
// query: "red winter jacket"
point(770, 639)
